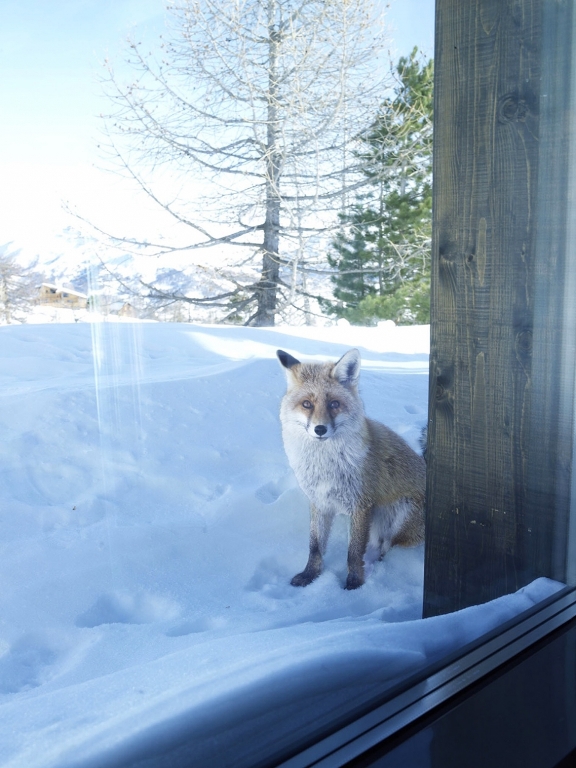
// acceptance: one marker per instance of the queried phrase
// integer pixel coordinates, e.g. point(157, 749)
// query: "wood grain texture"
point(502, 331)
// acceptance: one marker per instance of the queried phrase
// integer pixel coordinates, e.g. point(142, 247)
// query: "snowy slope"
point(149, 528)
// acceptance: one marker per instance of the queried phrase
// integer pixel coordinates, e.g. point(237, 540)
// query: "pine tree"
point(382, 251)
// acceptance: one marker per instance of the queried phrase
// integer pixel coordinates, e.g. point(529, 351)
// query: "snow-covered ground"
point(149, 528)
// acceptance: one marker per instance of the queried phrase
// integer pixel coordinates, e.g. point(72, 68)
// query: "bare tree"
point(19, 287)
point(256, 103)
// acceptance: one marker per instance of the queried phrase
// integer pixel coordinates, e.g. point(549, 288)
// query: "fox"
point(348, 464)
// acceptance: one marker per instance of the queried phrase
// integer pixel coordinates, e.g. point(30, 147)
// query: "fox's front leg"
point(320, 525)
point(359, 533)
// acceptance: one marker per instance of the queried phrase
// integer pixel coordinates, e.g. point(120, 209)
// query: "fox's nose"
point(320, 430)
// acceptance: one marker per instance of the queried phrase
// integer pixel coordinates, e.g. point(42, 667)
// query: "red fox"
point(348, 464)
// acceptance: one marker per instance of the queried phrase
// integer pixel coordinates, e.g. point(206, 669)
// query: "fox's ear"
point(347, 369)
point(287, 360)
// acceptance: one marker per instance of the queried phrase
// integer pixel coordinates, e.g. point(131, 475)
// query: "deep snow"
point(149, 528)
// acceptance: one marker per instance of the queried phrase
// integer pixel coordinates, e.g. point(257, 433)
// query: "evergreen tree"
point(382, 252)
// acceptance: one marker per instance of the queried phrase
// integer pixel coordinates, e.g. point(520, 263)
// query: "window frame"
point(410, 702)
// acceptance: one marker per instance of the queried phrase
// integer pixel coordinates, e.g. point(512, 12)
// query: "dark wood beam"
point(503, 356)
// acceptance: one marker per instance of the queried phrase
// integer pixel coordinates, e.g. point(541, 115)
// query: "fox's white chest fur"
point(329, 472)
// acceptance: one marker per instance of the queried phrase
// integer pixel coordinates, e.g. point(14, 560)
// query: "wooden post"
point(502, 363)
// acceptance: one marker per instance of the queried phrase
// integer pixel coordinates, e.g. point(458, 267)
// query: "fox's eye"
point(306, 404)
point(333, 404)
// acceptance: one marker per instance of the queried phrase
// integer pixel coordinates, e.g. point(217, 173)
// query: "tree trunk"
point(267, 288)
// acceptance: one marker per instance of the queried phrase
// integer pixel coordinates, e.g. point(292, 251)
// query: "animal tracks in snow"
point(271, 492)
point(26, 664)
point(272, 579)
point(413, 410)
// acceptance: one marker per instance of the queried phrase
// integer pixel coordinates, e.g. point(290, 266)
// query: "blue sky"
point(51, 54)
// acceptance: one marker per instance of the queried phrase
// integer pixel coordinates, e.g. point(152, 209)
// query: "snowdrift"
point(149, 528)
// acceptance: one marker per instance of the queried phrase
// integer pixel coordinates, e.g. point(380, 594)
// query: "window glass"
point(151, 515)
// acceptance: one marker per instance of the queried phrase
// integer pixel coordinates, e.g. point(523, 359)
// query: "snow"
point(149, 528)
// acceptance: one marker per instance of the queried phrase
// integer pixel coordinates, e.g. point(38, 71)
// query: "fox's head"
point(322, 398)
